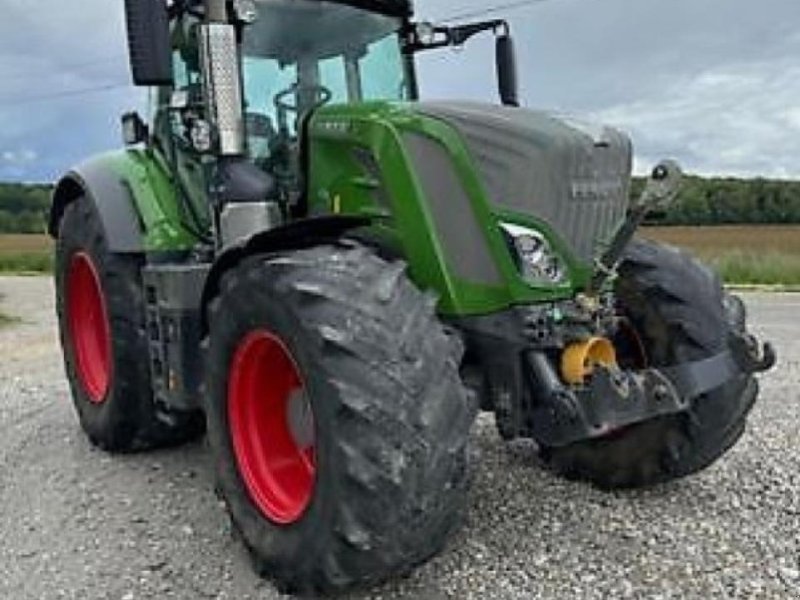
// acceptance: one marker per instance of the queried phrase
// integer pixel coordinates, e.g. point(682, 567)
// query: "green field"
point(742, 254)
point(20, 253)
point(754, 255)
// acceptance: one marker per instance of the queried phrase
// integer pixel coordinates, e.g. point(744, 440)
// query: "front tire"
point(681, 314)
point(101, 321)
point(337, 417)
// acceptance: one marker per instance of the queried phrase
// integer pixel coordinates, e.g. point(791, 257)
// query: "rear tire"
point(102, 325)
point(390, 417)
point(681, 313)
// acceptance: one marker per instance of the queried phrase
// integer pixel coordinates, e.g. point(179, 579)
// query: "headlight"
point(537, 262)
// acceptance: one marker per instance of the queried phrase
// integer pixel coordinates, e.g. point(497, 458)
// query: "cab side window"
point(187, 81)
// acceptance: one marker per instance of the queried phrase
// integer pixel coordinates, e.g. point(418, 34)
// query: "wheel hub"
point(272, 428)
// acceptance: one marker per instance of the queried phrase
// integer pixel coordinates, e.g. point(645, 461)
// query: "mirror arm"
point(461, 34)
point(418, 37)
point(412, 43)
point(453, 36)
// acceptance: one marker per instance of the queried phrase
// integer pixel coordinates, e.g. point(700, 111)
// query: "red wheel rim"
point(89, 328)
point(272, 428)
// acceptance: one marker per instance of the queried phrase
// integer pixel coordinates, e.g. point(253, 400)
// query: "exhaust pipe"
point(216, 11)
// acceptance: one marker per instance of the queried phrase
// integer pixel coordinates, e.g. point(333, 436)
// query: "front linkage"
point(591, 396)
point(613, 399)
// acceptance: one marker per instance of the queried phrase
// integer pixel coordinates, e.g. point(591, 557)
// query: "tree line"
point(703, 201)
point(731, 201)
point(23, 208)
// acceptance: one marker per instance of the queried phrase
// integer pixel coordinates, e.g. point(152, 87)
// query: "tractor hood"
point(573, 176)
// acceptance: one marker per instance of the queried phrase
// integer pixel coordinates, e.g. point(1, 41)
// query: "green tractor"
point(330, 278)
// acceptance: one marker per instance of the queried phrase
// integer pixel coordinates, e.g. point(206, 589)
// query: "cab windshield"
point(302, 54)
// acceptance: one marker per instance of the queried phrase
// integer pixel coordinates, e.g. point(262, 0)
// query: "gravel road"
point(76, 523)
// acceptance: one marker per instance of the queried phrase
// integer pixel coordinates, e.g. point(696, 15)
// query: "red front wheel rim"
point(89, 328)
point(272, 428)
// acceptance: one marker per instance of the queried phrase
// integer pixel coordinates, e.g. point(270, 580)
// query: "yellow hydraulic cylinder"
point(579, 360)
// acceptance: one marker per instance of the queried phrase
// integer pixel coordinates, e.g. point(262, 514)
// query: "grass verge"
point(763, 256)
point(770, 269)
point(29, 262)
point(26, 254)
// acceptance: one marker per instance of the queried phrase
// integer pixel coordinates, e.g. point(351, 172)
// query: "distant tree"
point(23, 207)
point(7, 222)
point(718, 201)
point(703, 201)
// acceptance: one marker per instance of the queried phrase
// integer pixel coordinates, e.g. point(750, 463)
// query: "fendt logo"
point(597, 190)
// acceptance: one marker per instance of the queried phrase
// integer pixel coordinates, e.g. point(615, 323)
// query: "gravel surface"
point(76, 523)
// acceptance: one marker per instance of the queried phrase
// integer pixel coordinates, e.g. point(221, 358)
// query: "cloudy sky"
point(713, 83)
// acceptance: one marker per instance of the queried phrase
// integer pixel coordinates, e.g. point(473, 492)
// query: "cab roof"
point(396, 8)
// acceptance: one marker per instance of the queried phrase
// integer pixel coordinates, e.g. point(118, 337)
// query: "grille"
point(573, 177)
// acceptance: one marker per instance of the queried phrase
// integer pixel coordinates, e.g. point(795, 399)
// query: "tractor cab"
point(298, 56)
point(236, 84)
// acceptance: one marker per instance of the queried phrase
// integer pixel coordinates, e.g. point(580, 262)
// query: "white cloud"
point(739, 119)
point(19, 157)
point(673, 72)
point(15, 164)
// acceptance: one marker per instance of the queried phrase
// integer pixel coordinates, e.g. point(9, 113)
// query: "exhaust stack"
point(219, 54)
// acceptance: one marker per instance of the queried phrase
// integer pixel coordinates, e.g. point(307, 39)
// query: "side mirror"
point(149, 42)
point(425, 36)
point(134, 129)
point(507, 70)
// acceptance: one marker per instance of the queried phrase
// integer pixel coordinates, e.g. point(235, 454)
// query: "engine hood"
point(573, 176)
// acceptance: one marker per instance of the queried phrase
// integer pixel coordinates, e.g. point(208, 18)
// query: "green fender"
point(296, 235)
point(135, 198)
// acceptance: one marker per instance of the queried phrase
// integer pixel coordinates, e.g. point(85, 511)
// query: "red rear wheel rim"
point(89, 329)
point(272, 428)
